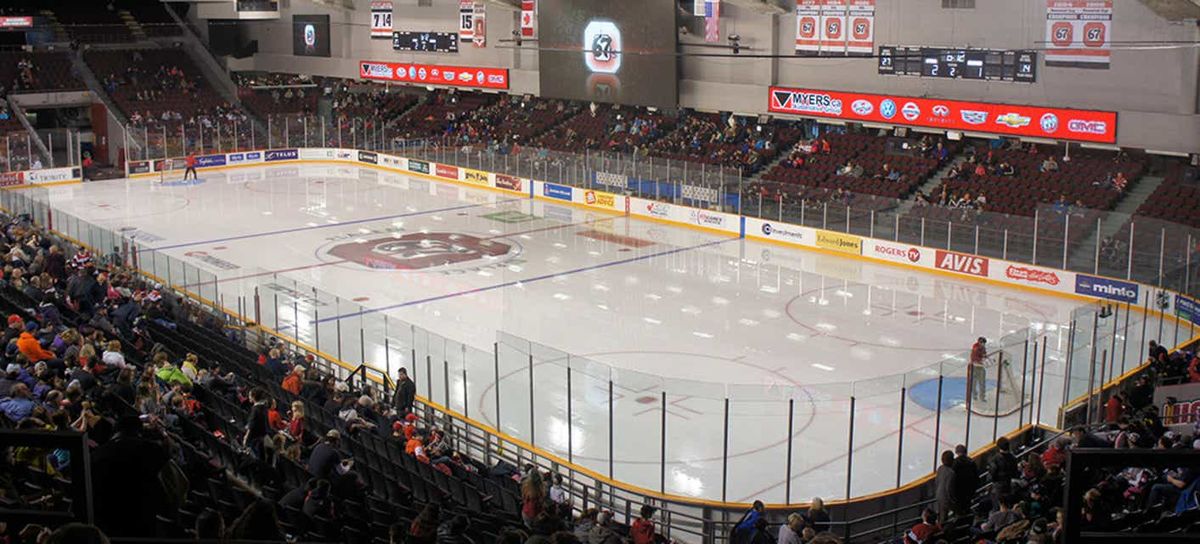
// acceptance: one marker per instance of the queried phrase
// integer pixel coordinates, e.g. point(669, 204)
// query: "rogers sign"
point(898, 253)
point(1032, 121)
point(434, 74)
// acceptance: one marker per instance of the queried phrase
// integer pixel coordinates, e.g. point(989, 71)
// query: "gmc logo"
point(1087, 127)
point(964, 264)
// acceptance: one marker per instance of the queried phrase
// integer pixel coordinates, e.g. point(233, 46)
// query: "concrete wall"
point(1155, 90)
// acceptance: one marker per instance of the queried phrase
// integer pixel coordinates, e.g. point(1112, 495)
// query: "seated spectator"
point(789, 533)
point(642, 531)
point(1003, 517)
point(925, 531)
point(1048, 165)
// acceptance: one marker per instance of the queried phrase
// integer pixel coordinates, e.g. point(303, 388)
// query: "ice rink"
point(787, 335)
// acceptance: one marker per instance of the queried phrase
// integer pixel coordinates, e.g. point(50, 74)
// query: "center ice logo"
point(420, 251)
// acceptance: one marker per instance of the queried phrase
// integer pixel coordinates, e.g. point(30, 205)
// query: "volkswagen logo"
point(887, 108)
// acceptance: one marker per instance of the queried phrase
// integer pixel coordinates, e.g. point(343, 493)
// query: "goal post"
point(171, 173)
point(994, 387)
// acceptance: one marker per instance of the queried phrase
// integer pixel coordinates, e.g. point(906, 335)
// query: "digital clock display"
point(949, 63)
point(433, 42)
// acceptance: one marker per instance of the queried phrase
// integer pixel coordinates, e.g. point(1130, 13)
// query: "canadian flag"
point(528, 18)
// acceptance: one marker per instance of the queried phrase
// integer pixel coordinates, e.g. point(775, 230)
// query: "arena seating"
point(513, 119)
point(804, 168)
point(708, 138)
point(277, 95)
point(23, 71)
point(437, 116)
point(607, 128)
point(153, 81)
point(1082, 181)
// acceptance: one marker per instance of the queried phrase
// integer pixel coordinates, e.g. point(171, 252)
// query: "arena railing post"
point(610, 427)
point(1162, 250)
point(532, 415)
point(900, 436)
point(1096, 263)
point(1036, 218)
point(570, 415)
point(1000, 362)
point(724, 452)
point(1024, 373)
point(1066, 237)
point(849, 457)
point(1041, 381)
point(937, 424)
point(1066, 394)
point(662, 456)
point(787, 483)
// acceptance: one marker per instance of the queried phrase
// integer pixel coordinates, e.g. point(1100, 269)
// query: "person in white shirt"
point(36, 165)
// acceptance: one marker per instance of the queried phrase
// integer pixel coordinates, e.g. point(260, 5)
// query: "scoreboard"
point(955, 63)
point(436, 42)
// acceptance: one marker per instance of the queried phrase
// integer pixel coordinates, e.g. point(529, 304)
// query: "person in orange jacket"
point(30, 346)
point(294, 380)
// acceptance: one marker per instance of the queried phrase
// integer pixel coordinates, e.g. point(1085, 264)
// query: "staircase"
point(1083, 256)
point(19, 113)
point(136, 29)
point(935, 180)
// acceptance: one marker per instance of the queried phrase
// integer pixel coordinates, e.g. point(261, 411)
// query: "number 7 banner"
point(1078, 33)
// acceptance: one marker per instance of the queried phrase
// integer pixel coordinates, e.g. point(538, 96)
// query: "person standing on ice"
point(976, 375)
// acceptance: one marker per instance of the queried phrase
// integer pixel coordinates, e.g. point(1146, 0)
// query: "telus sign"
point(1106, 288)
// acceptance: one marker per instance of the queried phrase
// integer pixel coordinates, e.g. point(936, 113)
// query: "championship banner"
point(1078, 33)
point(833, 27)
point(466, 20)
point(434, 74)
point(381, 19)
point(528, 18)
point(480, 29)
point(808, 21)
point(1032, 121)
point(861, 21)
point(712, 21)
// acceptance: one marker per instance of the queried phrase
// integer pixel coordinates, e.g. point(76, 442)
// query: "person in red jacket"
point(1114, 408)
point(191, 166)
point(642, 531)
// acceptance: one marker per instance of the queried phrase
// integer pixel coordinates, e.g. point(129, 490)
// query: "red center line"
point(344, 261)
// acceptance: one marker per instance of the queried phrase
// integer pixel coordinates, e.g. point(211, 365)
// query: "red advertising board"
point(962, 263)
point(16, 22)
point(434, 74)
point(443, 171)
point(9, 179)
point(1030, 121)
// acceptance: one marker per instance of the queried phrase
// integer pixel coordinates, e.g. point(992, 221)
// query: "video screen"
point(619, 51)
point(310, 35)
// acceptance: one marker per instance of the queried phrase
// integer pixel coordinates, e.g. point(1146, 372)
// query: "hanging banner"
point(528, 18)
point(808, 21)
point(381, 20)
point(466, 20)
point(480, 28)
point(712, 21)
point(1078, 33)
point(833, 27)
point(699, 7)
point(861, 22)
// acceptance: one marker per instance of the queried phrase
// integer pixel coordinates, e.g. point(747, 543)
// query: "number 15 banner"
point(1078, 33)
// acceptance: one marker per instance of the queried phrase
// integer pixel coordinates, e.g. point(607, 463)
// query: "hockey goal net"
point(995, 388)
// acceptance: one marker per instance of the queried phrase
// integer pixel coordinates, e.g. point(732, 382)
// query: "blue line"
point(330, 225)
point(524, 281)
